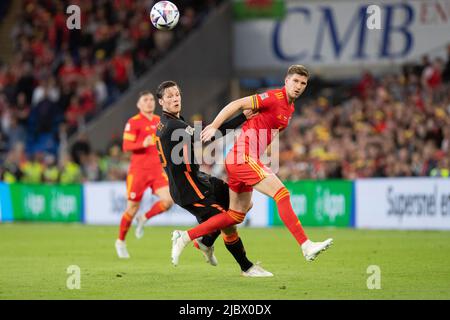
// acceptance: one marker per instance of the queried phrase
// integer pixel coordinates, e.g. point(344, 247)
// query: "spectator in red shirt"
point(122, 71)
point(69, 72)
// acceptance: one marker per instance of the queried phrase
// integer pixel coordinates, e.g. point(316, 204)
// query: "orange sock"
point(125, 224)
point(157, 208)
point(288, 216)
point(217, 222)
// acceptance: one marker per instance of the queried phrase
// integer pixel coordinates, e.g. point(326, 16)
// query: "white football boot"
point(312, 249)
point(256, 271)
point(139, 233)
point(180, 239)
point(121, 248)
point(208, 252)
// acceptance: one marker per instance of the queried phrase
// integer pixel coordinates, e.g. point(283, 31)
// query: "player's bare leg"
point(165, 203)
point(274, 188)
point(240, 202)
point(125, 223)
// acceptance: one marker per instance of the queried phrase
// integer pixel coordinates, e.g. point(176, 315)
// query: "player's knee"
point(133, 208)
point(167, 203)
point(250, 206)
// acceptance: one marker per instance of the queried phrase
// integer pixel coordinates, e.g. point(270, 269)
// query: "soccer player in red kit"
point(245, 170)
point(145, 169)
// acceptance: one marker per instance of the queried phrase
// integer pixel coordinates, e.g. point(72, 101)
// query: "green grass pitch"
point(34, 259)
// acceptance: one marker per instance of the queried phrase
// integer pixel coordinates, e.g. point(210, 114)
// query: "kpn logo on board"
point(328, 204)
point(63, 203)
point(34, 203)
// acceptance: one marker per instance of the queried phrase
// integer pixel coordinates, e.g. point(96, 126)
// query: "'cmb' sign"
point(344, 32)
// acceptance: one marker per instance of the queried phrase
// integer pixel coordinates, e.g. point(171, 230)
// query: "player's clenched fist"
point(148, 141)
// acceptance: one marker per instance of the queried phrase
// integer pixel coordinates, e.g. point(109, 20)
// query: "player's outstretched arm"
point(226, 113)
point(234, 123)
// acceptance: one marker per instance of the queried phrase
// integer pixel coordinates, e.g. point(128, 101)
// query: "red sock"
point(156, 209)
point(287, 214)
point(125, 224)
point(217, 222)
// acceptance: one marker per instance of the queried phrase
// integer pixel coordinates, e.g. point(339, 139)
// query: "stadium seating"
point(379, 126)
point(60, 79)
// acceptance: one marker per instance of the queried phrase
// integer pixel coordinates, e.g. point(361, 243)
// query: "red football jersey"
point(136, 130)
point(275, 112)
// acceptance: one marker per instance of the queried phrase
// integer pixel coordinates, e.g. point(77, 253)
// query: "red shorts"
point(244, 174)
point(139, 180)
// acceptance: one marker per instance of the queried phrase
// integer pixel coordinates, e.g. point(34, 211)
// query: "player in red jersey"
point(145, 169)
point(245, 169)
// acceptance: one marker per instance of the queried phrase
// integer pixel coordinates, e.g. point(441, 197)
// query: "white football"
point(164, 15)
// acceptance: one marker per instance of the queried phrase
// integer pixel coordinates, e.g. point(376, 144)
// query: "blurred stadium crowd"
point(395, 126)
point(390, 126)
point(59, 78)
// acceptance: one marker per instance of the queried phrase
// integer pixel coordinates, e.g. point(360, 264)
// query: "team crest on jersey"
point(264, 95)
point(279, 95)
point(147, 128)
point(190, 130)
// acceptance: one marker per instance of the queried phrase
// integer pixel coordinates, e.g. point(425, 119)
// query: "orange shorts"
point(244, 174)
point(139, 180)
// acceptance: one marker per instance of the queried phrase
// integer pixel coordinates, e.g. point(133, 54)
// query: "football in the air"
point(164, 15)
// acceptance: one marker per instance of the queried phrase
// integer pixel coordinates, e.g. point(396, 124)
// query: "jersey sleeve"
point(130, 137)
point(261, 101)
point(131, 132)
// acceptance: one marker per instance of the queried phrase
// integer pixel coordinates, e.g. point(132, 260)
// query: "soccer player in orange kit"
point(145, 169)
point(245, 169)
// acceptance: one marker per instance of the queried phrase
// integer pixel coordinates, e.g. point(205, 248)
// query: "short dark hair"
point(298, 69)
point(163, 86)
point(144, 93)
